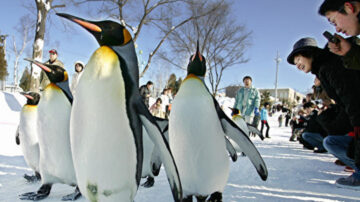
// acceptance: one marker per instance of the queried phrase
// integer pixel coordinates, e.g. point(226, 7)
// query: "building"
point(287, 94)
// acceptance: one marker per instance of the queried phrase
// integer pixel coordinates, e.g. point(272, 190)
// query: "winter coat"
point(44, 80)
point(352, 58)
point(313, 125)
point(253, 100)
point(156, 110)
point(335, 121)
point(341, 84)
point(74, 81)
point(264, 114)
point(144, 92)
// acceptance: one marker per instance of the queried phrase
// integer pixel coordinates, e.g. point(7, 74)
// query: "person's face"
point(149, 86)
point(53, 56)
point(78, 68)
point(247, 82)
point(348, 23)
point(308, 110)
point(303, 63)
point(317, 82)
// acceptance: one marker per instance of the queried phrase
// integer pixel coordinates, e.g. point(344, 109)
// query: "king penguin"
point(108, 155)
point(27, 134)
point(197, 127)
point(246, 127)
point(56, 163)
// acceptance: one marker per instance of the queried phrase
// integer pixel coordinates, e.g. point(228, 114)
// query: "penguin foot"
point(72, 197)
point(188, 199)
point(42, 193)
point(32, 178)
point(215, 197)
point(149, 182)
point(201, 198)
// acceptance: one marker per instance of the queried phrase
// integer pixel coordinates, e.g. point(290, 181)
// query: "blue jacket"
point(264, 114)
point(252, 101)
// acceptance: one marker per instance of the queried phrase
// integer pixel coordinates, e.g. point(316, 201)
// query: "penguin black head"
point(32, 98)
point(55, 73)
point(106, 32)
point(197, 63)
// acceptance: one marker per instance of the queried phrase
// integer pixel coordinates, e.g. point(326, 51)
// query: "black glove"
point(235, 112)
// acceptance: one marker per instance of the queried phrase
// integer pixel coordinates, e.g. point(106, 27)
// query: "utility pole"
point(277, 60)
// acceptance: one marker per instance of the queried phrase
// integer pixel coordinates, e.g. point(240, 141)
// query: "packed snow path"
point(295, 174)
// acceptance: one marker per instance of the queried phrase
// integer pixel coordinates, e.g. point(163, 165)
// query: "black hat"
point(247, 77)
point(303, 45)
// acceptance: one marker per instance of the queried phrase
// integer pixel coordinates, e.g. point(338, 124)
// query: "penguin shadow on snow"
point(12, 102)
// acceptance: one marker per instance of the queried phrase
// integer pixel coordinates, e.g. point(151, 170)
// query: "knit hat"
point(303, 45)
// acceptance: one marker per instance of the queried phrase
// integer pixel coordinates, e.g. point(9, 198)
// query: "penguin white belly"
point(56, 163)
point(148, 147)
point(28, 136)
point(197, 140)
point(102, 141)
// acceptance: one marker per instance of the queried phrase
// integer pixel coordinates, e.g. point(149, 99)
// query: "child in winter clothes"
point(157, 110)
point(263, 117)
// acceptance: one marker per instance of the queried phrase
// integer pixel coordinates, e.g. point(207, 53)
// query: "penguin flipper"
point(233, 132)
point(161, 143)
point(17, 138)
point(256, 131)
point(155, 157)
point(230, 148)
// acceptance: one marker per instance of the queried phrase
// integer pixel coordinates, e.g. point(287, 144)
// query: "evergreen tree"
point(265, 97)
point(174, 83)
point(3, 64)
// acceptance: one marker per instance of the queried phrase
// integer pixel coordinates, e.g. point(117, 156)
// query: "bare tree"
point(23, 28)
point(223, 43)
point(166, 15)
point(42, 9)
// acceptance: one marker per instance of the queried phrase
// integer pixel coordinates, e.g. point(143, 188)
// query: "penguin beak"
point(45, 68)
point(88, 25)
point(27, 95)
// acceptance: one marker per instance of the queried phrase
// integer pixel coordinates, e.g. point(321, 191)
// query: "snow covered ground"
point(295, 174)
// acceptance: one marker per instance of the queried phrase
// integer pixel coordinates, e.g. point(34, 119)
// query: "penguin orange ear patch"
point(127, 36)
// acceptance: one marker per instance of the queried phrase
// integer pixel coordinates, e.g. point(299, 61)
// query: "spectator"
point(79, 67)
point(264, 120)
point(297, 125)
point(257, 118)
point(247, 99)
point(344, 15)
point(145, 92)
point(339, 84)
point(157, 110)
point(287, 118)
point(44, 80)
point(313, 134)
point(280, 119)
point(165, 101)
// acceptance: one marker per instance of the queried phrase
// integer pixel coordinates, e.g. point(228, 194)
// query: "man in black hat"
point(44, 80)
point(342, 86)
point(247, 100)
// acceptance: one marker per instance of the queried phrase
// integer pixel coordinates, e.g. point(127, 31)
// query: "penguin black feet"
point(42, 193)
point(149, 182)
point(188, 199)
point(215, 197)
point(201, 198)
point(32, 178)
point(73, 196)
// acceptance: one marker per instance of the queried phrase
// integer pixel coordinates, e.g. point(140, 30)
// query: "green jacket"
point(44, 80)
point(253, 100)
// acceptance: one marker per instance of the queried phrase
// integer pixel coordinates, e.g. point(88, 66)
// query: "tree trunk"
point(43, 8)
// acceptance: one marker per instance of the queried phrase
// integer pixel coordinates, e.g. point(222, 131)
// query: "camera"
point(331, 38)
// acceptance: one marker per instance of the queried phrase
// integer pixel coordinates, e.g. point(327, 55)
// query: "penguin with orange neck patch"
point(197, 128)
point(27, 134)
point(56, 163)
point(108, 155)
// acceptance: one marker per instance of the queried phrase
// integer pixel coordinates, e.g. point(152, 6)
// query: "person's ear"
point(349, 8)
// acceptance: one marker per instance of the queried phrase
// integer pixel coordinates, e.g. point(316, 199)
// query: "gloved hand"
point(256, 112)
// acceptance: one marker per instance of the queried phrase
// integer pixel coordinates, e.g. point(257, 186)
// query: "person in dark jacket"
point(341, 85)
point(314, 133)
point(145, 92)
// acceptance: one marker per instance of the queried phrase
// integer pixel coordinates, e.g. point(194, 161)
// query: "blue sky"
point(276, 26)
